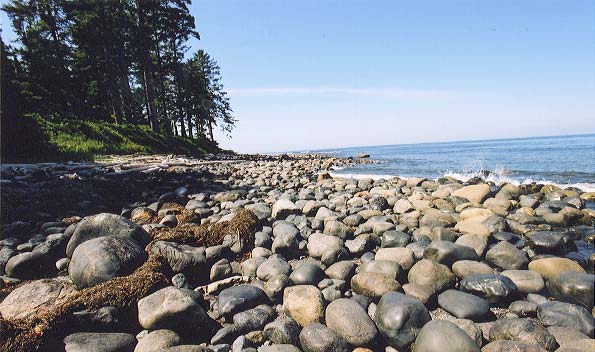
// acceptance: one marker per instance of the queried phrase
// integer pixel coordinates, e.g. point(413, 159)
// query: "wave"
point(499, 177)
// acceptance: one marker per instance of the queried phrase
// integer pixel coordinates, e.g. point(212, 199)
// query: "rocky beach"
point(273, 254)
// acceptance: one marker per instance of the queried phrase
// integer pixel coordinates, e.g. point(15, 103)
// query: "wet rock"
point(394, 238)
point(444, 252)
point(566, 315)
point(494, 288)
point(252, 319)
point(443, 336)
point(307, 274)
point(100, 259)
point(573, 287)
point(506, 256)
point(399, 319)
point(348, 319)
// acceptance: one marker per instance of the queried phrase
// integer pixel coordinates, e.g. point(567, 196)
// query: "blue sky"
point(325, 74)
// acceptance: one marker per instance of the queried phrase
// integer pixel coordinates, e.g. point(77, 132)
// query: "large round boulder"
point(103, 258)
point(444, 336)
point(106, 224)
point(348, 319)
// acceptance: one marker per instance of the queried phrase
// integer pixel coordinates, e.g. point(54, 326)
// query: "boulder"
point(494, 288)
point(35, 297)
point(99, 342)
point(348, 319)
point(464, 305)
point(316, 337)
point(443, 336)
point(241, 297)
point(506, 256)
point(474, 193)
point(304, 303)
point(399, 319)
point(551, 267)
point(566, 315)
point(524, 330)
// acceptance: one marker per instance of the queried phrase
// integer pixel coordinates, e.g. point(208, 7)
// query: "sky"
point(306, 75)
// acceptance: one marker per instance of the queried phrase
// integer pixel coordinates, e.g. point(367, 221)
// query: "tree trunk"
point(149, 88)
point(211, 130)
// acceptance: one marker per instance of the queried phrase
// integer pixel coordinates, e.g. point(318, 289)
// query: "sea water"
point(561, 160)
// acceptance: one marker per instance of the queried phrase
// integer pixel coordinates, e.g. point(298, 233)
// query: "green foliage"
point(85, 140)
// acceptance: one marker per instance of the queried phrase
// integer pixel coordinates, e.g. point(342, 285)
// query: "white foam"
point(498, 177)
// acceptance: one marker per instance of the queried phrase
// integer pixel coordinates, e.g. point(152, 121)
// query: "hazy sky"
point(322, 74)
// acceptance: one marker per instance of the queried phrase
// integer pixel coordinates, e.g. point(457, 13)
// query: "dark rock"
point(307, 274)
point(242, 297)
point(524, 330)
point(106, 224)
point(348, 319)
point(180, 257)
point(283, 331)
point(35, 297)
point(573, 287)
point(464, 305)
point(399, 318)
point(252, 319)
point(99, 342)
point(101, 259)
point(157, 340)
point(494, 288)
point(566, 315)
point(443, 336)
point(393, 238)
point(445, 252)
point(506, 256)
point(316, 337)
point(103, 319)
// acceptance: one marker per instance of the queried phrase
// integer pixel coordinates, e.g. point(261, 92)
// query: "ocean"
point(562, 160)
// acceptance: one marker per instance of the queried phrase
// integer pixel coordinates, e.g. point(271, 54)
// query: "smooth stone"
point(384, 267)
point(100, 259)
point(35, 297)
point(444, 252)
point(342, 270)
point(464, 268)
point(524, 330)
point(286, 240)
point(523, 308)
point(316, 337)
point(494, 288)
point(464, 305)
point(348, 319)
point(172, 309)
point(436, 218)
point(573, 287)
point(283, 331)
point(427, 273)
point(156, 340)
point(250, 266)
point(403, 256)
point(274, 265)
point(282, 208)
point(373, 285)
point(393, 238)
point(474, 193)
point(551, 267)
point(419, 292)
point(276, 285)
point(566, 336)
point(237, 298)
point(506, 256)
point(307, 274)
point(275, 348)
point(29, 266)
point(399, 318)
point(470, 328)
point(99, 342)
point(566, 315)
point(545, 241)
point(478, 243)
point(319, 244)
point(527, 281)
point(106, 224)
point(337, 229)
point(304, 303)
point(220, 270)
point(443, 336)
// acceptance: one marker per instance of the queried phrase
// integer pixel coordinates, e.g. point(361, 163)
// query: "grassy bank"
point(39, 140)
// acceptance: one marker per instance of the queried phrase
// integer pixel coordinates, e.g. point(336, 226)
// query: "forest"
point(118, 61)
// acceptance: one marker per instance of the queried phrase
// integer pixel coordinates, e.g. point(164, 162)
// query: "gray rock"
point(348, 319)
point(29, 266)
point(374, 285)
point(399, 319)
point(106, 224)
point(464, 268)
point(103, 319)
point(99, 342)
point(523, 308)
point(383, 267)
point(180, 257)
point(274, 265)
point(275, 285)
point(283, 331)
point(524, 330)
point(282, 208)
point(464, 305)
point(100, 259)
point(307, 274)
point(527, 281)
point(316, 337)
point(394, 238)
point(220, 270)
point(443, 336)
point(156, 340)
point(172, 309)
point(508, 345)
point(35, 297)
point(566, 315)
point(242, 297)
point(304, 303)
point(428, 273)
point(494, 288)
point(286, 241)
point(250, 265)
point(447, 253)
point(573, 287)
point(337, 229)
point(342, 270)
point(506, 256)
point(252, 319)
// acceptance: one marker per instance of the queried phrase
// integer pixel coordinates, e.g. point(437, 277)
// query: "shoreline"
point(315, 260)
